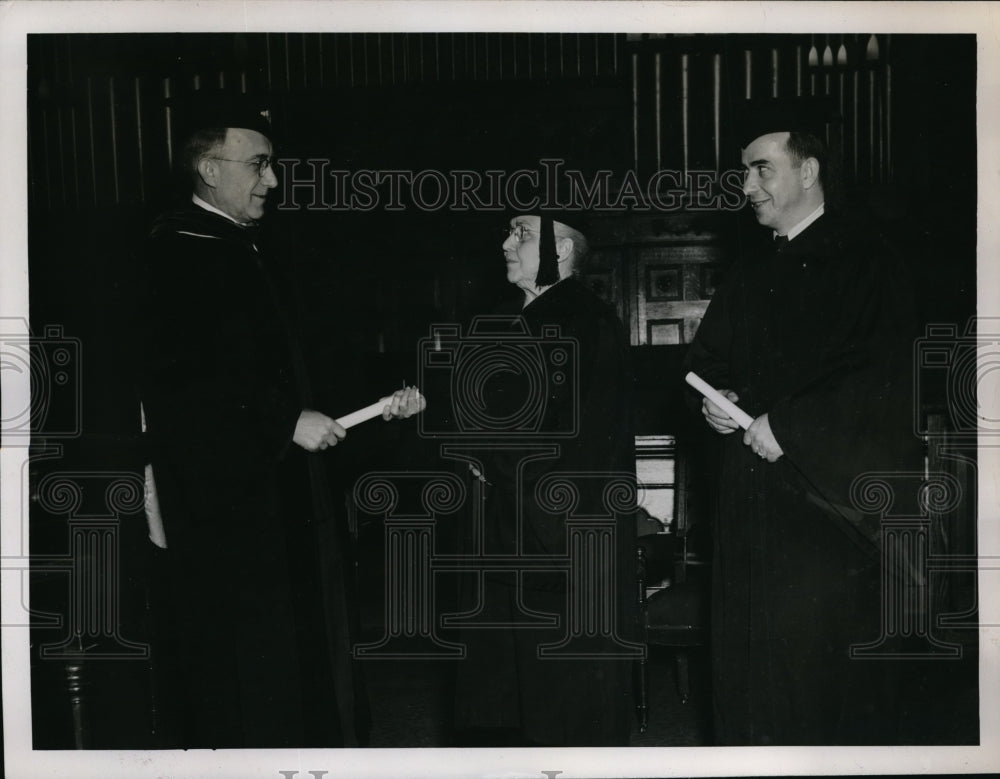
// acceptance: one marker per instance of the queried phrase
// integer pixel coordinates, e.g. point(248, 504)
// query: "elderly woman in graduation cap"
point(533, 674)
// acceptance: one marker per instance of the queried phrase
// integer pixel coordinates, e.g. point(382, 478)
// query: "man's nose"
point(749, 184)
point(509, 243)
point(269, 179)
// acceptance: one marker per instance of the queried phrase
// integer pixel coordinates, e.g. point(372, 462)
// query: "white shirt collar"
point(209, 207)
point(804, 223)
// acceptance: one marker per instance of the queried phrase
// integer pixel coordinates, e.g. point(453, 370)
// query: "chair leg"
point(76, 687)
point(683, 676)
point(641, 707)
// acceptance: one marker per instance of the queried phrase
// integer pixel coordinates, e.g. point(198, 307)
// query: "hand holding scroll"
point(719, 406)
point(718, 419)
point(760, 438)
point(401, 404)
point(315, 431)
point(724, 416)
point(404, 403)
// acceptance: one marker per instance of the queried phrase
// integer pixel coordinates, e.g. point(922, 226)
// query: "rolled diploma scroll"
point(742, 418)
point(364, 414)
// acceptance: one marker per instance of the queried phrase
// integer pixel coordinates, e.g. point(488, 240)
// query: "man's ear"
point(809, 172)
point(208, 171)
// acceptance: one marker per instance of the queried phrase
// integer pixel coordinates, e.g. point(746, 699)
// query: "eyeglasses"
point(519, 232)
point(262, 164)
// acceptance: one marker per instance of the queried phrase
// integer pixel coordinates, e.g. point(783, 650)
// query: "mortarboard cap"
point(813, 115)
point(548, 257)
point(554, 162)
point(207, 109)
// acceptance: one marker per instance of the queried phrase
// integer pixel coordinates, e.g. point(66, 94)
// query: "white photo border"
point(17, 19)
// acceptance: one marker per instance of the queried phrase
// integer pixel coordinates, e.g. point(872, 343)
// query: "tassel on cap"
point(548, 257)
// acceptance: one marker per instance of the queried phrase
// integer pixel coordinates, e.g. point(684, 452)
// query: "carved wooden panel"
point(673, 286)
point(605, 277)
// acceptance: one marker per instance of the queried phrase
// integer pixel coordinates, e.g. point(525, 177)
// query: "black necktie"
point(780, 240)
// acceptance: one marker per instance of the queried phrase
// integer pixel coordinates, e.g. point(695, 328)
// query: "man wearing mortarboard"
point(258, 644)
point(510, 692)
point(811, 334)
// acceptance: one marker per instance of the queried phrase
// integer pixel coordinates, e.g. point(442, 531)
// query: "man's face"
point(240, 187)
point(522, 254)
point(773, 183)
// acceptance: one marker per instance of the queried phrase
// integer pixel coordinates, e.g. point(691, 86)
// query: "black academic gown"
point(503, 682)
point(818, 335)
point(257, 622)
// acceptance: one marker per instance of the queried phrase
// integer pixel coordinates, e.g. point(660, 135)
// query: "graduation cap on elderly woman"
point(555, 159)
point(548, 255)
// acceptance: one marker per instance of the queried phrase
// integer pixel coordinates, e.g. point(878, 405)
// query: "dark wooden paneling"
point(105, 155)
point(757, 67)
point(701, 111)
point(125, 138)
point(646, 117)
point(98, 114)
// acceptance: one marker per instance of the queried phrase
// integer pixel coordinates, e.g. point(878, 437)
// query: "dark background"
point(367, 286)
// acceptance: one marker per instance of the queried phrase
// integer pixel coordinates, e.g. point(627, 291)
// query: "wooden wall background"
point(101, 137)
point(100, 128)
point(100, 132)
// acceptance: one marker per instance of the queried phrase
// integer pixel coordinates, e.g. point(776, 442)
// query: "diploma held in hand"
point(741, 417)
point(364, 414)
